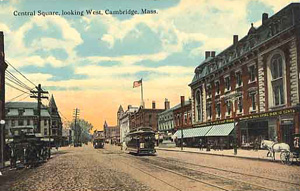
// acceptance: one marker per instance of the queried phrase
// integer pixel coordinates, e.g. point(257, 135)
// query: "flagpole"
point(142, 97)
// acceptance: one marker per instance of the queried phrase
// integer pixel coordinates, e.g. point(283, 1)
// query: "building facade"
point(112, 133)
point(166, 118)
point(56, 122)
point(254, 82)
point(183, 114)
point(145, 117)
point(124, 121)
point(25, 114)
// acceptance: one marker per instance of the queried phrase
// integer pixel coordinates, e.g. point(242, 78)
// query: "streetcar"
point(98, 143)
point(141, 141)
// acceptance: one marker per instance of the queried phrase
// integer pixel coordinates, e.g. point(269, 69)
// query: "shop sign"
point(219, 122)
point(269, 114)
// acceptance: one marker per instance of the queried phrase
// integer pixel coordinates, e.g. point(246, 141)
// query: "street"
point(85, 168)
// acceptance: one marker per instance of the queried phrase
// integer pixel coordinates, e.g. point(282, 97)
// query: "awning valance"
point(194, 132)
point(220, 130)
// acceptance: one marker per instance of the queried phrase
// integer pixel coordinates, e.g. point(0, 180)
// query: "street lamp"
point(2, 123)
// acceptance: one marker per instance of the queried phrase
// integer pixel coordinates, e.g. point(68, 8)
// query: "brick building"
point(111, 133)
point(255, 81)
point(145, 117)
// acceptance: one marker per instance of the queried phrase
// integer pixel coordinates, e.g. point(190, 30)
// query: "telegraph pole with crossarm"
point(39, 97)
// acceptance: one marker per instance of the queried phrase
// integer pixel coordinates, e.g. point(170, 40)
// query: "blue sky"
point(98, 56)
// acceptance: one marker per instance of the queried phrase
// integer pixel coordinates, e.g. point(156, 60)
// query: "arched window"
point(277, 79)
point(198, 106)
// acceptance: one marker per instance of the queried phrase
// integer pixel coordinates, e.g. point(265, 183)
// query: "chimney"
point(235, 39)
point(213, 54)
point(264, 18)
point(153, 104)
point(207, 54)
point(167, 104)
point(1, 47)
point(182, 101)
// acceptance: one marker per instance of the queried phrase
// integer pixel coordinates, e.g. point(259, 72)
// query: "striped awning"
point(194, 132)
point(220, 130)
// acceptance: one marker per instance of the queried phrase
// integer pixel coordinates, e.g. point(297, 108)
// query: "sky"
point(91, 61)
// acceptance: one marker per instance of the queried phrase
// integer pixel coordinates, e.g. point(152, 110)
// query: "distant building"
point(183, 114)
point(112, 133)
point(25, 114)
point(66, 136)
point(124, 121)
point(145, 117)
point(165, 118)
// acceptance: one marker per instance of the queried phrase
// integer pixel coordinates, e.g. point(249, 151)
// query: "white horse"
point(274, 147)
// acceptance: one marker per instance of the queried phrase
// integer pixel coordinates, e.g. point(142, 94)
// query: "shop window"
point(217, 87)
point(227, 84)
point(252, 76)
point(238, 79)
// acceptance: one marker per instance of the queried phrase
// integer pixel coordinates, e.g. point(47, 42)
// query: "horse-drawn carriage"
point(288, 154)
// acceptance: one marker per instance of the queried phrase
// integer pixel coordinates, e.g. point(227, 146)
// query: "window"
point(252, 73)
point(21, 122)
point(217, 87)
point(35, 122)
point(45, 131)
point(240, 104)
point(185, 118)
point(13, 123)
point(238, 78)
point(21, 112)
point(45, 122)
point(277, 80)
point(227, 83)
point(198, 106)
point(208, 111)
point(218, 110)
point(228, 107)
point(208, 88)
point(28, 121)
point(253, 101)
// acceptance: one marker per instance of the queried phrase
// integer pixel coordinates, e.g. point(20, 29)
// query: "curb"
point(222, 155)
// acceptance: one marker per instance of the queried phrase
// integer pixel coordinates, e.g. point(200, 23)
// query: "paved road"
point(108, 169)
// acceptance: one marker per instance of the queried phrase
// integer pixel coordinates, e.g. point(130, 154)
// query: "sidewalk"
point(241, 153)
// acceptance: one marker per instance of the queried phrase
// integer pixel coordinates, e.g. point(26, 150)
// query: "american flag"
point(137, 83)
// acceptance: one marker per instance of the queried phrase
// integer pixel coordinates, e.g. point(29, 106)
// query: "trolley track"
point(197, 176)
point(230, 171)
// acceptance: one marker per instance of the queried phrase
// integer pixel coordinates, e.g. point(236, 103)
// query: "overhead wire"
point(20, 73)
point(13, 77)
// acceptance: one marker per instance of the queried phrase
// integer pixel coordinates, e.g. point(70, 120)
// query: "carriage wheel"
point(285, 157)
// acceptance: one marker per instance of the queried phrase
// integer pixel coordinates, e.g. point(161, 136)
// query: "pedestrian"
point(200, 144)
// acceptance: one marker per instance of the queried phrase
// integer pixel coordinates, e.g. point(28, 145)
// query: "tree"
point(84, 127)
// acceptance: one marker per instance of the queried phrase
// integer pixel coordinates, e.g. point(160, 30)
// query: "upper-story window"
point(217, 87)
point(208, 111)
point(198, 106)
point(253, 101)
point(238, 79)
point(240, 104)
point(218, 110)
point(20, 122)
point(28, 121)
point(208, 87)
point(228, 107)
point(185, 118)
point(13, 123)
point(227, 83)
point(277, 79)
point(252, 76)
point(21, 112)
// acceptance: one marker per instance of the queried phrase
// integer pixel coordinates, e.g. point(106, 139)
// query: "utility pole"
point(76, 130)
point(39, 98)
